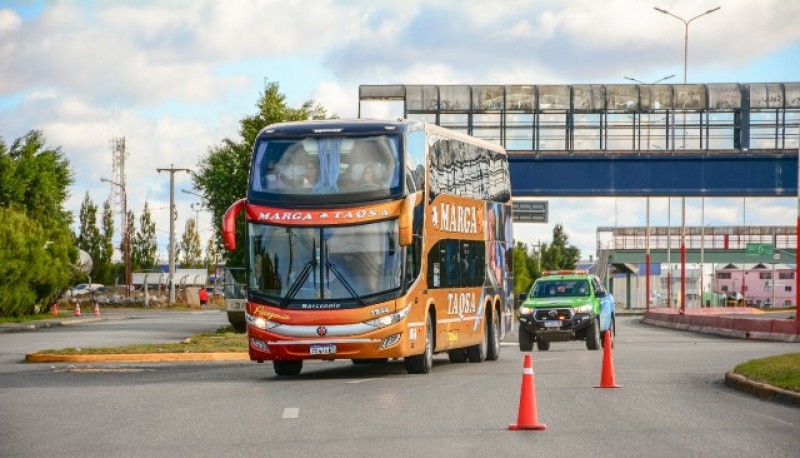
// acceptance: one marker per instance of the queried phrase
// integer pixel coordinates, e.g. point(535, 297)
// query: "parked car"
point(83, 289)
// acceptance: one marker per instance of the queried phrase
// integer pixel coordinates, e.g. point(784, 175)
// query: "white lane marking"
point(362, 381)
point(291, 412)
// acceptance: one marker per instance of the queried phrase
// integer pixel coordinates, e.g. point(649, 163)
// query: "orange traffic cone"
point(96, 309)
point(607, 373)
point(77, 309)
point(527, 418)
point(55, 308)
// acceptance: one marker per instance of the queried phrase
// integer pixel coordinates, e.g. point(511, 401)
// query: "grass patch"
point(782, 371)
point(29, 318)
point(224, 340)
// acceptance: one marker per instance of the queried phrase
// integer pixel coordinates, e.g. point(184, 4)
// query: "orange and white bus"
point(375, 240)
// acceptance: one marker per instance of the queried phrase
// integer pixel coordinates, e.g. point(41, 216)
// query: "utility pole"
point(172, 217)
point(683, 199)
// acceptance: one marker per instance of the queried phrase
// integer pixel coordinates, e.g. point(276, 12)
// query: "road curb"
point(762, 390)
point(136, 358)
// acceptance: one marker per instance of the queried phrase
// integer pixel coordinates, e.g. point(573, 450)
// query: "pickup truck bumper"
point(556, 325)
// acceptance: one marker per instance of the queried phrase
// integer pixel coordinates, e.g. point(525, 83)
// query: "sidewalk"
point(736, 323)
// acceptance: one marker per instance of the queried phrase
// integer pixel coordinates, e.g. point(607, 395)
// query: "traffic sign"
point(759, 249)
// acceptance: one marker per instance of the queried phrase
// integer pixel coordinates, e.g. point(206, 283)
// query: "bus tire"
point(525, 339)
point(593, 335)
point(458, 355)
point(477, 353)
point(236, 319)
point(288, 368)
point(422, 363)
point(493, 352)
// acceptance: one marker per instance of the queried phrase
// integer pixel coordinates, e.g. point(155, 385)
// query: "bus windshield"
point(352, 265)
point(287, 167)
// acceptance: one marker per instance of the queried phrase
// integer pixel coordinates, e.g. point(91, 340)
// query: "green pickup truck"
point(566, 305)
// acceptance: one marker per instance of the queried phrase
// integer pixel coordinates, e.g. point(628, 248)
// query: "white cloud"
point(176, 76)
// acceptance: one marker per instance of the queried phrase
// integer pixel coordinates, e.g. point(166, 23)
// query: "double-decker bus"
point(375, 240)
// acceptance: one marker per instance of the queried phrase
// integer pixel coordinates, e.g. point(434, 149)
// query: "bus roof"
point(337, 126)
point(366, 127)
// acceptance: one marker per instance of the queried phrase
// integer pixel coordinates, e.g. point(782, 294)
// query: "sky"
point(174, 78)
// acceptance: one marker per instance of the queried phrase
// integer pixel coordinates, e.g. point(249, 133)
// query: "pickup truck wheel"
point(525, 339)
point(593, 335)
point(542, 345)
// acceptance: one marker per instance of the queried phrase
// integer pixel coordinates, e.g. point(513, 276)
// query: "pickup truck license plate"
point(552, 324)
point(329, 349)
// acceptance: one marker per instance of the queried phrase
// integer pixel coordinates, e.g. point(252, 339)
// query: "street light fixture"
point(126, 234)
point(683, 199)
point(686, 33)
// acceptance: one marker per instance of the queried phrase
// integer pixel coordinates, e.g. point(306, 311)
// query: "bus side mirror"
point(406, 220)
point(229, 224)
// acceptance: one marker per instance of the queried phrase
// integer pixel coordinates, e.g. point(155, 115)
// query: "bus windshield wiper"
point(344, 281)
point(298, 283)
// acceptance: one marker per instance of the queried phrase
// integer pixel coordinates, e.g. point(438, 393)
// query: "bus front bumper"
point(390, 342)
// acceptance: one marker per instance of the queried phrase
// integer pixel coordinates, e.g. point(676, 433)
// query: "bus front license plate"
point(323, 349)
point(552, 324)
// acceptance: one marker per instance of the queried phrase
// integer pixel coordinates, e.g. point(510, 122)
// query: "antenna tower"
point(119, 154)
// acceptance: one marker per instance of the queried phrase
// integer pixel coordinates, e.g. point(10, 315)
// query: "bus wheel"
point(493, 352)
point(421, 364)
point(477, 353)
point(457, 356)
point(288, 367)
point(525, 339)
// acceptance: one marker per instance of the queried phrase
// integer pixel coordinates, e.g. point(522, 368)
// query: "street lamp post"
point(683, 199)
point(647, 230)
point(172, 217)
point(126, 234)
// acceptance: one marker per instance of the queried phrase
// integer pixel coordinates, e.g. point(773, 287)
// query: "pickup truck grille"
point(553, 314)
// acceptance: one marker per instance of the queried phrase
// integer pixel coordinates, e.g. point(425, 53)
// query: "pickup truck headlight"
point(523, 310)
point(584, 309)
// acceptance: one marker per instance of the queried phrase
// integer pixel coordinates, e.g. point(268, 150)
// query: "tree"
point(189, 251)
point(559, 255)
point(222, 173)
point(101, 269)
point(144, 245)
point(522, 277)
point(37, 249)
point(89, 238)
point(212, 254)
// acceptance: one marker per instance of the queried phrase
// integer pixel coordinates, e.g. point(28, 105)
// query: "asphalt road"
point(672, 403)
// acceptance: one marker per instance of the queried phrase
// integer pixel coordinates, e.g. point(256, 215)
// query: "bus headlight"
point(260, 322)
point(390, 319)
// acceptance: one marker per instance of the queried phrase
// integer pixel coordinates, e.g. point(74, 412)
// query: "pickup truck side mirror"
point(523, 296)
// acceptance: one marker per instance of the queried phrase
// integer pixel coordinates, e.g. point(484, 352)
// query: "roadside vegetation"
point(782, 371)
point(224, 340)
